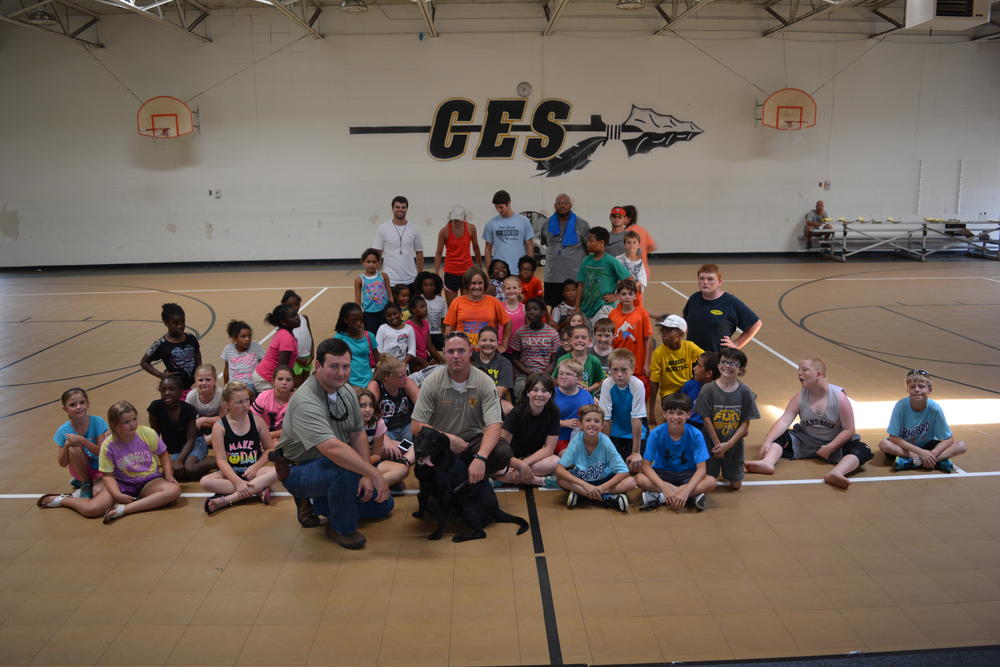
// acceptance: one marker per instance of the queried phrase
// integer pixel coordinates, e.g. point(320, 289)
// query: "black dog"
point(444, 486)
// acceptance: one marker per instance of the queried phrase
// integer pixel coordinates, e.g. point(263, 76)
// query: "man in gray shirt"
point(816, 220)
point(565, 237)
point(462, 403)
point(323, 437)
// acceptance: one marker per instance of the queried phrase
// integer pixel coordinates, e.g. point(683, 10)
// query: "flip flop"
point(115, 512)
point(50, 500)
point(265, 496)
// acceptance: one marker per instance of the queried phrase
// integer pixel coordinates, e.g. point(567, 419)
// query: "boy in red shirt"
point(633, 329)
point(531, 286)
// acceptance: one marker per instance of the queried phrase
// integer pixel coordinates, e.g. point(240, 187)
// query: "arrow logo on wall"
point(643, 130)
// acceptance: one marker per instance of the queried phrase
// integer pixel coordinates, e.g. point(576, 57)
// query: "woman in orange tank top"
point(455, 239)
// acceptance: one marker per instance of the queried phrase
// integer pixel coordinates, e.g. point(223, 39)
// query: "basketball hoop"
point(789, 109)
point(164, 117)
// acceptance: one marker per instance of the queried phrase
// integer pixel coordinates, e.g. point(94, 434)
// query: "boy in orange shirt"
point(633, 329)
point(531, 286)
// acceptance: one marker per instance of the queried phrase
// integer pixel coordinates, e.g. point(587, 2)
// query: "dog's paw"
point(419, 514)
point(436, 535)
point(465, 537)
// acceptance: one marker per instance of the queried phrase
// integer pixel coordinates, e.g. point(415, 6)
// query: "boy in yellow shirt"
point(672, 362)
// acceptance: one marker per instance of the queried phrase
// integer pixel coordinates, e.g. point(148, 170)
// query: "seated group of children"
point(582, 420)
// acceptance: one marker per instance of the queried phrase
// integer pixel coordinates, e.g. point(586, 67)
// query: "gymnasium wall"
point(907, 128)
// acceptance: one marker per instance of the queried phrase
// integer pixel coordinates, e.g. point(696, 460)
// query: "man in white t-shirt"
point(401, 245)
point(508, 236)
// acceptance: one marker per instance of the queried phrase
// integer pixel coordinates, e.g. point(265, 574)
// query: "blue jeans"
point(404, 432)
point(334, 491)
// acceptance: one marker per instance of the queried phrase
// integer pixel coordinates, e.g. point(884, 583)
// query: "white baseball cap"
point(458, 213)
point(673, 322)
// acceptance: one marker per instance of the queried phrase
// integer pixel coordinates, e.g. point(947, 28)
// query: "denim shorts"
point(199, 451)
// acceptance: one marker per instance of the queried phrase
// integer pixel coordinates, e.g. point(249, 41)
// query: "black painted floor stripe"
point(536, 529)
point(49, 347)
point(544, 585)
point(548, 611)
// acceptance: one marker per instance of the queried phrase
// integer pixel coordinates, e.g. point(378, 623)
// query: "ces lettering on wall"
point(455, 132)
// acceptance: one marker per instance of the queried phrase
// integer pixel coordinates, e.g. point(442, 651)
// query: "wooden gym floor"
point(786, 567)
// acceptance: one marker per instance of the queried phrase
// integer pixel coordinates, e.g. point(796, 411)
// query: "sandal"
point(52, 500)
point(116, 512)
point(265, 496)
point(307, 518)
point(216, 503)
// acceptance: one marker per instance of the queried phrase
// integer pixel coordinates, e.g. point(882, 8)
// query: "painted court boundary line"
point(180, 291)
point(765, 482)
point(755, 340)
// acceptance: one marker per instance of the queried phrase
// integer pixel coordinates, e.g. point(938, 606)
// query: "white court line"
point(766, 482)
point(994, 280)
point(301, 308)
point(806, 279)
point(761, 343)
point(181, 291)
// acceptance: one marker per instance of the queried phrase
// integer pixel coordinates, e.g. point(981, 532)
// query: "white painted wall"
point(78, 186)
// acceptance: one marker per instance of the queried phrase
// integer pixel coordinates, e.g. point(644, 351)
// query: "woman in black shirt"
point(532, 429)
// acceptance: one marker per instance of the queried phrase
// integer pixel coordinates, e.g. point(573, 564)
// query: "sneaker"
point(571, 499)
point(650, 501)
point(902, 464)
point(622, 501)
point(945, 466)
point(551, 482)
point(698, 502)
point(87, 490)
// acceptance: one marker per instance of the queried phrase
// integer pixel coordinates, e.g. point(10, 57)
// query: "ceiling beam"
point(427, 13)
point(73, 36)
point(298, 20)
point(29, 8)
point(189, 30)
point(553, 16)
point(683, 15)
point(816, 13)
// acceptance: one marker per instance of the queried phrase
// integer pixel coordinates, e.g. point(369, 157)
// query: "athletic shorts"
point(855, 447)
point(438, 340)
point(730, 465)
point(453, 282)
point(373, 321)
point(553, 294)
point(134, 488)
point(561, 446)
point(675, 477)
point(603, 480)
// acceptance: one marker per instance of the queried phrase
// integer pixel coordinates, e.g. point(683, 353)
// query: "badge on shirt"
point(473, 401)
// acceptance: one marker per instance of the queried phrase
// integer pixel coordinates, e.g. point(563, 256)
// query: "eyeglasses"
point(729, 362)
point(329, 409)
point(457, 334)
point(918, 371)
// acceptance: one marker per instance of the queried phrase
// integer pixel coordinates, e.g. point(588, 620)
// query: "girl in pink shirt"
point(283, 349)
point(270, 405)
point(512, 302)
point(426, 352)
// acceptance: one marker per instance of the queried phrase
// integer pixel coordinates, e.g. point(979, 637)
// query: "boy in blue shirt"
point(623, 401)
point(599, 473)
point(705, 370)
point(919, 436)
point(673, 466)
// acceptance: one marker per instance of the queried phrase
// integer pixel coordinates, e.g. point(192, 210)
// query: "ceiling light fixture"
point(41, 17)
point(629, 4)
point(353, 6)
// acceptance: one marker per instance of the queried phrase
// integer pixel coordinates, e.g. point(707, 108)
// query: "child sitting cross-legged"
point(241, 442)
point(673, 465)
point(598, 471)
point(919, 436)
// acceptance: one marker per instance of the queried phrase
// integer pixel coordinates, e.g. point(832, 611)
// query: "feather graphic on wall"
point(644, 128)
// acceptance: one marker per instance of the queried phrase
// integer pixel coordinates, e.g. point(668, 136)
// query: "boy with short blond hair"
point(633, 329)
point(623, 400)
point(672, 361)
point(673, 465)
point(599, 474)
point(591, 373)
point(919, 436)
point(604, 335)
point(825, 429)
point(569, 397)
